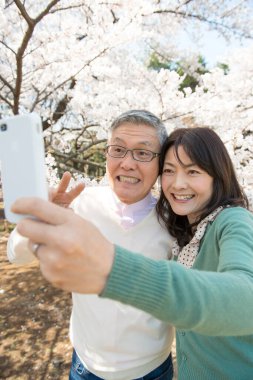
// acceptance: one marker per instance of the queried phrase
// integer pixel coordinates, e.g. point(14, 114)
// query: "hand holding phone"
point(23, 171)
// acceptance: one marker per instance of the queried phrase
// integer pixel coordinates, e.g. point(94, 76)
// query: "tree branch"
point(185, 3)
point(46, 11)
point(7, 47)
point(205, 20)
point(23, 12)
point(72, 76)
point(20, 53)
point(6, 101)
point(76, 160)
point(6, 83)
point(86, 147)
point(61, 107)
point(65, 8)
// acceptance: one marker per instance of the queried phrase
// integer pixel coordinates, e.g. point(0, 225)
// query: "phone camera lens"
point(3, 127)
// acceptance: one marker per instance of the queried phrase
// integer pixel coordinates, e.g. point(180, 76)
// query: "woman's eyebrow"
point(181, 163)
point(190, 165)
point(169, 164)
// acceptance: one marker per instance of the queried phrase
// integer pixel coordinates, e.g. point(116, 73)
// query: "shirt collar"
point(135, 212)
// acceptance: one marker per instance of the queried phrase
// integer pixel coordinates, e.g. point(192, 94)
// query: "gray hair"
point(140, 117)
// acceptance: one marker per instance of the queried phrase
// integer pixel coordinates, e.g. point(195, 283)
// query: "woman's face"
point(186, 186)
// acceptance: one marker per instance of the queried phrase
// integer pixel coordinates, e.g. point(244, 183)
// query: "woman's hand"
point(73, 254)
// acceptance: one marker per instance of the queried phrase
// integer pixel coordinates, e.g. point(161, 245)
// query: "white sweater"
point(113, 340)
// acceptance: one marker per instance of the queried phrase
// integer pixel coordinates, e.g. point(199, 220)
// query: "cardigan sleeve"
point(217, 303)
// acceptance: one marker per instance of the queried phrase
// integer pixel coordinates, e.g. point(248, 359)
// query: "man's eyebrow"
point(119, 140)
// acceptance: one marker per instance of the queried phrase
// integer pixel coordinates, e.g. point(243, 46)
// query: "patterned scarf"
point(188, 253)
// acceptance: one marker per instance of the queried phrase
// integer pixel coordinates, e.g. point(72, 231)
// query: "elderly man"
point(111, 340)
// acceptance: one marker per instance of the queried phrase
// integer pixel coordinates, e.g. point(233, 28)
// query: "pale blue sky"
point(215, 47)
point(212, 46)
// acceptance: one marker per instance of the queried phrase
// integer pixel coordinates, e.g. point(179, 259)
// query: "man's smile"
point(126, 179)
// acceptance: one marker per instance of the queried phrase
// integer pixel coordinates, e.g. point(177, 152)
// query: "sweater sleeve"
point(17, 249)
point(207, 302)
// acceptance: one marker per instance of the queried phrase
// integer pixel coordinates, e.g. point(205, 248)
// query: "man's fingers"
point(43, 210)
point(73, 193)
point(51, 194)
point(60, 195)
point(64, 182)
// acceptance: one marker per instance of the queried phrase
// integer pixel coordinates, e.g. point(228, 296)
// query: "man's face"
point(132, 180)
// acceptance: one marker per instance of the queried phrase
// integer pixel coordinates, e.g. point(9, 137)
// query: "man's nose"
point(128, 161)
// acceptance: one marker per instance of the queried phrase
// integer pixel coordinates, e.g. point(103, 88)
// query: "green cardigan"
point(211, 305)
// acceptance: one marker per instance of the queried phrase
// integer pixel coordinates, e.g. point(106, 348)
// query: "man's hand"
point(73, 254)
point(60, 196)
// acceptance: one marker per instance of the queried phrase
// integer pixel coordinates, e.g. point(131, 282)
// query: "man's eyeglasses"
point(142, 155)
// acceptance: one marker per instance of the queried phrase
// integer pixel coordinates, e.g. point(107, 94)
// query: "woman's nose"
point(180, 181)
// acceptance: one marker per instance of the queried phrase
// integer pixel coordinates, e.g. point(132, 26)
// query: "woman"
point(204, 208)
point(210, 304)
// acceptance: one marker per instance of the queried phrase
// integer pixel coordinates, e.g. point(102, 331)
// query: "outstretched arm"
point(73, 254)
point(213, 299)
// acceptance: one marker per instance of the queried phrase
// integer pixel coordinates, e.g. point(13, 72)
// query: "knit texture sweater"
point(116, 341)
point(211, 305)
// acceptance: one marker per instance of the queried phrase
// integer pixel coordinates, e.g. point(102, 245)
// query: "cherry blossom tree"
point(81, 63)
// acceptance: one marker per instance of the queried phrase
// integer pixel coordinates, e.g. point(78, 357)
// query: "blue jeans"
point(78, 372)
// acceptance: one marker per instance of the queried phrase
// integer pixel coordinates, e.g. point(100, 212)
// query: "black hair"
point(205, 148)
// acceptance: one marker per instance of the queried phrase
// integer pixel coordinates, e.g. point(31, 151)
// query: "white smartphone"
point(23, 171)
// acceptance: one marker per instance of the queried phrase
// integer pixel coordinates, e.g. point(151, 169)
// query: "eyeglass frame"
point(154, 154)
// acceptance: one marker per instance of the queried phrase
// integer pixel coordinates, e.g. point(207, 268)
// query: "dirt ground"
point(34, 321)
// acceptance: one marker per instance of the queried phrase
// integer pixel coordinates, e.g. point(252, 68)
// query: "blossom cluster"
point(85, 62)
